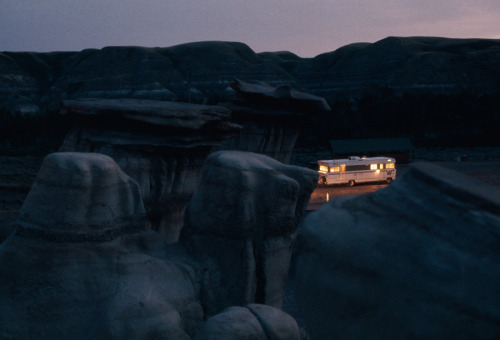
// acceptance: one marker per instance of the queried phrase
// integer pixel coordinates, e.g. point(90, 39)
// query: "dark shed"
point(399, 148)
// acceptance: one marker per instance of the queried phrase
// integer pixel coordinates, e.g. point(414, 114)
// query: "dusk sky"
point(306, 27)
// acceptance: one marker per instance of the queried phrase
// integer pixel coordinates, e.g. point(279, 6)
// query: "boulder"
point(81, 264)
point(240, 227)
point(162, 145)
point(253, 322)
point(271, 117)
point(418, 259)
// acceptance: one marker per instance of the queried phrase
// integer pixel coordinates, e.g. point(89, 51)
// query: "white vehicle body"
point(357, 170)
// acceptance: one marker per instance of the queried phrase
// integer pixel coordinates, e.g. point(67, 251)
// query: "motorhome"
point(357, 169)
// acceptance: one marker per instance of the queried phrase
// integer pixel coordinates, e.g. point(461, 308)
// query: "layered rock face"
point(34, 82)
point(404, 64)
point(80, 264)
point(72, 269)
point(240, 226)
point(18, 88)
point(162, 145)
point(81, 197)
point(271, 118)
point(418, 259)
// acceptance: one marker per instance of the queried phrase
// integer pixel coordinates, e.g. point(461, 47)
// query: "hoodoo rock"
point(162, 145)
point(418, 259)
point(72, 267)
point(241, 225)
point(80, 264)
point(80, 197)
point(252, 322)
point(271, 118)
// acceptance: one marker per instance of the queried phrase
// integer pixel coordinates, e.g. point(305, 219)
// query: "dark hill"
point(32, 82)
point(396, 84)
point(437, 65)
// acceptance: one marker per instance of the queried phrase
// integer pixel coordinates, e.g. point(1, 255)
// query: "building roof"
point(360, 146)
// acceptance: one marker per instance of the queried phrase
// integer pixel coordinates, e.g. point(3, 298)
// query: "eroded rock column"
point(162, 145)
point(81, 264)
point(241, 226)
point(271, 118)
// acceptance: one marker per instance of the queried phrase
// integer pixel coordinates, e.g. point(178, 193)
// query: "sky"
point(304, 27)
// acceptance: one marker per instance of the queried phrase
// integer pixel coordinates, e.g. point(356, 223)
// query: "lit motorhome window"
point(389, 166)
point(381, 166)
point(373, 166)
point(342, 167)
point(323, 168)
point(334, 169)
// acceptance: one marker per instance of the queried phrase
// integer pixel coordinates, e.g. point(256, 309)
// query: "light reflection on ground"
point(487, 172)
point(322, 192)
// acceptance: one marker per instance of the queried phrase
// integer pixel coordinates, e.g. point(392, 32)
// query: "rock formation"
point(71, 268)
point(253, 322)
point(162, 145)
point(16, 178)
point(240, 226)
point(415, 86)
point(31, 83)
point(271, 118)
point(418, 259)
point(80, 197)
point(81, 264)
point(405, 64)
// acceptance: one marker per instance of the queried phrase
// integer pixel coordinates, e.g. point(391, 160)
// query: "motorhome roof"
point(356, 159)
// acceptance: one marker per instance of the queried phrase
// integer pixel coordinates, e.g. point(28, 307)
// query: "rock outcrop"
point(16, 178)
point(271, 118)
point(32, 83)
point(81, 197)
point(410, 86)
point(406, 65)
point(17, 87)
point(162, 145)
point(252, 322)
point(72, 267)
point(202, 71)
point(418, 259)
point(241, 225)
point(81, 264)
